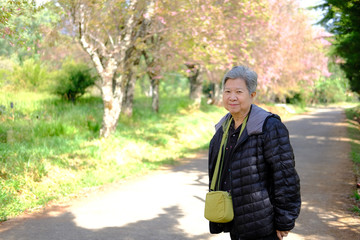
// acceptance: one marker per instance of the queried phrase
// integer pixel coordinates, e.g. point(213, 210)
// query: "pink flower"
point(162, 20)
point(146, 15)
point(339, 60)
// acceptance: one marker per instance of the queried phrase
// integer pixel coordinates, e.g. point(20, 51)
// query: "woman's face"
point(236, 97)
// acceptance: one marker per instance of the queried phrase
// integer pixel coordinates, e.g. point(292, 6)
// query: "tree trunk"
point(155, 94)
point(112, 99)
point(111, 93)
point(217, 94)
point(128, 100)
point(196, 83)
point(132, 61)
point(112, 110)
point(154, 73)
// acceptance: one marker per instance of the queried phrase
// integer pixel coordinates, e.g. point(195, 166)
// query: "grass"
point(353, 116)
point(50, 149)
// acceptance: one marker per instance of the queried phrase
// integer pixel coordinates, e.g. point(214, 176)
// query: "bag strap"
point(220, 157)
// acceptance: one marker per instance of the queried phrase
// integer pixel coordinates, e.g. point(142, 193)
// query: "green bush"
point(31, 74)
point(330, 90)
point(335, 88)
point(73, 79)
point(297, 98)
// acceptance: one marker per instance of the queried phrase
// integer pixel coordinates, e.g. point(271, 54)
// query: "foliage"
point(353, 114)
point(285, 54)
point(329, 90)
point(11, 10)
point(218, 35)
point(73, 80)
point(297, 98)
point(36, 28)
point(342, 19)
point(334, 88)
point(31, 75)
point(291, 55)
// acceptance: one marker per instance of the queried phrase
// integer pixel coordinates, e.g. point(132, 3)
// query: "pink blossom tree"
point(109, 31)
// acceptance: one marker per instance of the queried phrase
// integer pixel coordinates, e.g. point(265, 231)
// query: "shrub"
point(335, 88)
point(30, 74)
point(297, 98)
point(330, 90)
point(73, 79)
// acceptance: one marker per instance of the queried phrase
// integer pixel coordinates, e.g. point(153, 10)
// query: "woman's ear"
point(253, 94)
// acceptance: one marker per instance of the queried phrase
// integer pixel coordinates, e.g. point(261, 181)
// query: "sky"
point(315, 15)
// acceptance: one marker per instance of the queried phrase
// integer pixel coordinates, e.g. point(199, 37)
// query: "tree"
point(148, 45)
point(154, 66)
point(290, 55)
point(109, 31)
point(193, 41)
point(342, 18)
point(10, 11)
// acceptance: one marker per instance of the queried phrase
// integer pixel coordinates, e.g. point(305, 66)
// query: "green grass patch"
point(353, 116)
point(356, 209)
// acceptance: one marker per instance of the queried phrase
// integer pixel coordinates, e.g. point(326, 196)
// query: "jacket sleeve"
point(285, 186)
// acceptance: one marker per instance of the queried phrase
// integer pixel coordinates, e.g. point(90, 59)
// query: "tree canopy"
point(342, 18)
point(10, 11)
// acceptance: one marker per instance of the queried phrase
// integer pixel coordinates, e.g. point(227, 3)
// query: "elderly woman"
point(258, 166)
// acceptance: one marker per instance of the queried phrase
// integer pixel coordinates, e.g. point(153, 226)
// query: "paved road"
point(168, 204)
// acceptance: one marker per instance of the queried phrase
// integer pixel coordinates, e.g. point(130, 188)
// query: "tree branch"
point(91, 50)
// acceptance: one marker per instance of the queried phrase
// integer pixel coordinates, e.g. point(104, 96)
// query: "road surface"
point(168, 204)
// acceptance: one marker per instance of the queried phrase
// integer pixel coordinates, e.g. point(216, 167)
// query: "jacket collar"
point(255, 123)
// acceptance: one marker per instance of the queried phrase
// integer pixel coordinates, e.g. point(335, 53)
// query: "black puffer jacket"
point(265, 184)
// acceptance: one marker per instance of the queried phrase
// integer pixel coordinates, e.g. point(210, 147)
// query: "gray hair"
point(245, 73)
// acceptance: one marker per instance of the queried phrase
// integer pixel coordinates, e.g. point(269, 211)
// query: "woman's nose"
point(232, 97)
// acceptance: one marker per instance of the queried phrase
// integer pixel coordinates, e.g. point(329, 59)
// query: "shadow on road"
point(63, 227)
